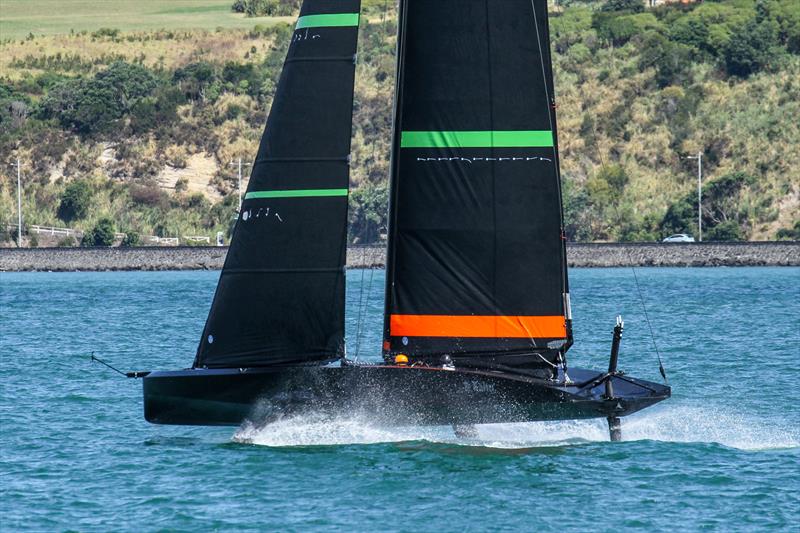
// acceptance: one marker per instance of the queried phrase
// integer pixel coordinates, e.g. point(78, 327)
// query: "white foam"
point(669, 424)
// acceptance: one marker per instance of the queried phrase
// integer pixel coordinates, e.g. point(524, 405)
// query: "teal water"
point(722, 454)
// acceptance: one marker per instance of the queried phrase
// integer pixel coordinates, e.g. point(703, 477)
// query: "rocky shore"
point(579, 255)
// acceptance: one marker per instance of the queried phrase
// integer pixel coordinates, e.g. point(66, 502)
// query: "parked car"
point(679, 237)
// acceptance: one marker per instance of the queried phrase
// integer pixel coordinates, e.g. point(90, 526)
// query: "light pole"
point(19, 202)
point(239, 163)
point(699, 158)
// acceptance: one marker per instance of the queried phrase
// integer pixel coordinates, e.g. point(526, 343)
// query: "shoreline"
point(597, 255)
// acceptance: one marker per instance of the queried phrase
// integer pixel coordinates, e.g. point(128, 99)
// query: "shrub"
point(789, 234)
point(633, 6)
point(266, 8)
point(75, 201)
point(615, 176)
point(101, 235)
point(67, 242)
point(131, 239)
point(150, 195)
point(730, 230)
point(671, 60)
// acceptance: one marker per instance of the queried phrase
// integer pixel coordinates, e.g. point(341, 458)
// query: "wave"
point(677, 424)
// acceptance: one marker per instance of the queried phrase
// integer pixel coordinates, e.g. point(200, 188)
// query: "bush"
point(150, 195)
point(67, 242)
point(266, 8)
point(131, 239)
point(75, 201)
point(671, 60)
point(632, 6)
point(101, 235)
point(789, 234)
point(730, 230)
point(615, 176)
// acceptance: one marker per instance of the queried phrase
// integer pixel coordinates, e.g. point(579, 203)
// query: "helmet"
point(401, 359)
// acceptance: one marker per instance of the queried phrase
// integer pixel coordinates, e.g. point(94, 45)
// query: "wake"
point(679, 424)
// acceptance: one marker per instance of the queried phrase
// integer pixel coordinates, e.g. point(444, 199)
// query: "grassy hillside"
point(19, 18)
point(142, 125)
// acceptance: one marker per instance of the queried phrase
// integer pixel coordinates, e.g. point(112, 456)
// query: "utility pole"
point(19, 203)
point(699, 158)
point(239, 163)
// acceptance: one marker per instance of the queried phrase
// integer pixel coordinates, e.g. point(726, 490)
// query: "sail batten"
point(280, 296)
point(476, 264)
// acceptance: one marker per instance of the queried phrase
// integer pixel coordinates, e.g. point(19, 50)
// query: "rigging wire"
point(360, 298)
point(647, 318)
point(366, 310)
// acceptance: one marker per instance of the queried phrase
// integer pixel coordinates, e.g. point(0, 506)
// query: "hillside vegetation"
point(135, 131)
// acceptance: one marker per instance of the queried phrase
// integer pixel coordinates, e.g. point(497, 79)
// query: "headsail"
point(476, 264)
point(280, 296)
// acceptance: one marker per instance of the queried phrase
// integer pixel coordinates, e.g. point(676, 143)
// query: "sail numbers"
point(471, 160)
point(304, 35)
point(262, 213)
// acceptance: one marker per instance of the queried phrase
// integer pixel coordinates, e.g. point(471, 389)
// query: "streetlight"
point(239, 163)
point(19, 202)
point(699, 158)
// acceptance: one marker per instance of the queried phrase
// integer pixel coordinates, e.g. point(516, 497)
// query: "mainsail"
point(476, 264)
point(280, 297)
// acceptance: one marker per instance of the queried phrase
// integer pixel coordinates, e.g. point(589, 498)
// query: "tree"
point(93, 106)
point(671, 60)
point(723, 218)
point(75, 201)
point(368, 212)
point(129, 82)
point(633, 6)
point(752, 48)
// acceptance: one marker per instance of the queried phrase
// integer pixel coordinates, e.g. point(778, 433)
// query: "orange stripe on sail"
point(532, 327)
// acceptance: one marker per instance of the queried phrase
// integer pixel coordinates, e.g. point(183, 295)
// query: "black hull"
point(389, 395)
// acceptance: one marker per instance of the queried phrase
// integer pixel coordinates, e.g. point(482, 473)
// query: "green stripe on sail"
point(327, 21)
point(296, 193)
point(477, 139)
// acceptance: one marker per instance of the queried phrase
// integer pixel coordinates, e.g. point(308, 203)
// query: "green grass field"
point(18, 18)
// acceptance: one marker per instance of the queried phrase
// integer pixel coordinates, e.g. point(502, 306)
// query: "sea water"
point(722, 454)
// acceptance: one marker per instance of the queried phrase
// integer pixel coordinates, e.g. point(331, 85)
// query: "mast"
point(476, 264)
point(280, 296)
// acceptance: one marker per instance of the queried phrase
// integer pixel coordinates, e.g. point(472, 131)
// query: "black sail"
point(280, 297)
point(476, 263)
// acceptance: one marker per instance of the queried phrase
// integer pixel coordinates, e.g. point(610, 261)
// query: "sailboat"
point(477, 319)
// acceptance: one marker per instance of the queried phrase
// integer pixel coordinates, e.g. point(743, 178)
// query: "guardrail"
point(197, 238)
point(164, 241)
point(48, 230)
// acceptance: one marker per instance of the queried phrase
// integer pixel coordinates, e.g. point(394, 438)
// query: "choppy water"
point(722, 454)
